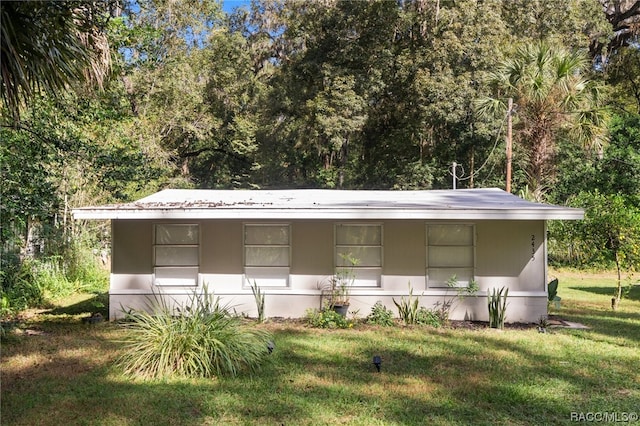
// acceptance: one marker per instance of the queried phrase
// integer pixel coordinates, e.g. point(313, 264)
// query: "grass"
point(57, 370)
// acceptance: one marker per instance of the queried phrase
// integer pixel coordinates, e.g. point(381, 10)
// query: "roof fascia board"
point(334, 214)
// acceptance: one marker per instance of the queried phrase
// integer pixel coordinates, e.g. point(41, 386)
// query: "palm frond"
point(48, 46)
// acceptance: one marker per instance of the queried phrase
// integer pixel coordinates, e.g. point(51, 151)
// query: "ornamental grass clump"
point(199, 339)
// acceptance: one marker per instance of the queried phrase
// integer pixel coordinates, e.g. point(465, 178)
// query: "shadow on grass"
point(614, 325)
point(318, 377)
point(632, 294)
point(98, 303)
point(315, 377)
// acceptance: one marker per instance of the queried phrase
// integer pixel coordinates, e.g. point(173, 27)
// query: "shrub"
point(410, 313)
point(380, 315)
point(326, 318)
point(83, 267)
point(35, 282)
point(429, 317)
point(444, 308)
point(32, 283)
point(201, 339)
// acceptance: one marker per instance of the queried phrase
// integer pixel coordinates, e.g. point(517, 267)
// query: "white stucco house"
point(290, 243)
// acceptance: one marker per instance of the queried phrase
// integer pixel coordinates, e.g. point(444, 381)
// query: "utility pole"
point(453, 172)
point(509, 144)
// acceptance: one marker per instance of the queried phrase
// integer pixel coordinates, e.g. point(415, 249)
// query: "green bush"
point(429, 317)
point(84, 269)
point(35, 282)
point(326, 318)
point(201, 339)
point(380, 315)
point(410, 313)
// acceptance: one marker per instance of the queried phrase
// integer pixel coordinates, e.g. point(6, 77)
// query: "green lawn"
point(56, 370)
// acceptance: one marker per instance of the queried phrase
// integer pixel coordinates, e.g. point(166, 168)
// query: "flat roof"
point(460, 204)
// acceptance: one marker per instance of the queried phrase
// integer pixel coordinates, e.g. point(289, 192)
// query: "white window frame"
point(178, 274)
point(266, 275)
point(365, 275)
point(464, 273)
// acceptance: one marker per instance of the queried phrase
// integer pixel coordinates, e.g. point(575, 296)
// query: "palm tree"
point(48, 45)
point(553, 99)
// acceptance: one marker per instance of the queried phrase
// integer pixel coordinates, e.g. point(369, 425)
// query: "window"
point(176, 254)
point(450, 252)
point(267, 254)
point(363, 244)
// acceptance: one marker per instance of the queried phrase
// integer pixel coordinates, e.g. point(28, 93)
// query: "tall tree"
point(191, 88)
point(552, 96)
point(336, 114)
point(624, 17)
point(623, 75)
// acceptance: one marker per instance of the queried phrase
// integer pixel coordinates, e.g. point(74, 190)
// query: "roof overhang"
point(462, 204)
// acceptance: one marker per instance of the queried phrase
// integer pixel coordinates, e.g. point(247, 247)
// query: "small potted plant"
point(341, 283)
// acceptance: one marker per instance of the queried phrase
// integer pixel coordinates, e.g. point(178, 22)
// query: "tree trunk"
point(615, 301)
point(343, 161)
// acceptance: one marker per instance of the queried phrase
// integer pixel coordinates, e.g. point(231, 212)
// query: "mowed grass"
point(57, 370)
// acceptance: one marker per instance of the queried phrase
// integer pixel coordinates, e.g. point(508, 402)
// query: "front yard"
point(58, 370)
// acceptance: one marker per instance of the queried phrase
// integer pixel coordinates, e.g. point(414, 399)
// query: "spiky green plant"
point(497, 303)
point(199, 339)
point(258, 295)
point(407, 308)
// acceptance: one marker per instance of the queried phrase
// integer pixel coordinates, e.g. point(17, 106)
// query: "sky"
point(229, 5)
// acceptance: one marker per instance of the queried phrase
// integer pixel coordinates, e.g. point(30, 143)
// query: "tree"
point(576, 24)
point(624, 17)
point(336, 114)
point(610, 232)
point(48, 46)
point(623, 75)
point(613, 171)
point(553, 99)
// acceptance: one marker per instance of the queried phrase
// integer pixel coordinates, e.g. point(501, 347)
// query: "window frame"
point(266, 275)
point(431, 282)
point(176, 274)
point(367, 276)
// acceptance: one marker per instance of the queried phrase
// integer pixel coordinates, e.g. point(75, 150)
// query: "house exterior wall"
point(507, 253)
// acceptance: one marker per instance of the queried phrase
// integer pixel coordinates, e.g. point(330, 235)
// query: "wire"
point(495, 145)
